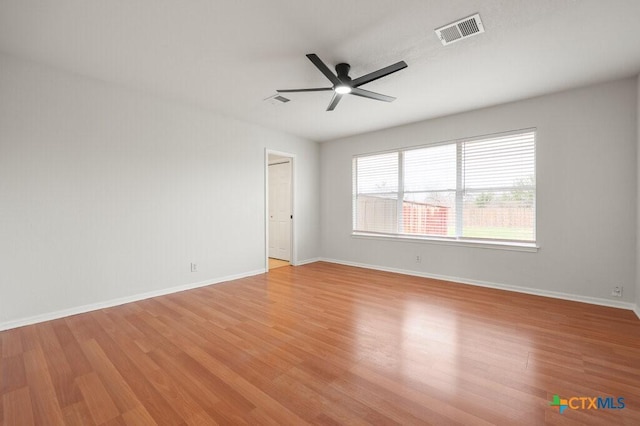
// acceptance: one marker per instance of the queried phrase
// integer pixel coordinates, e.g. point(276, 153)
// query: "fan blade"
point(368, 78)
point(317, 89)
point(372, 95)
point(323, 68)
point(334, 101)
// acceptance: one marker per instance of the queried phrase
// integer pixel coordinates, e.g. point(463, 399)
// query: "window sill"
point(502, 245)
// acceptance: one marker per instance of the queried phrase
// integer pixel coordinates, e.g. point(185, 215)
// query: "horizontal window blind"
point(430, 169)
point(376, 201)
point(499, 162)
point(378, 174)
point(478, 188)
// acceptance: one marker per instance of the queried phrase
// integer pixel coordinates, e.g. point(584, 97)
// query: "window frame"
point(458, 239)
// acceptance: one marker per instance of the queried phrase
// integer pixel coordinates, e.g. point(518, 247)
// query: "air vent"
point(464, 28)
point(277, 99)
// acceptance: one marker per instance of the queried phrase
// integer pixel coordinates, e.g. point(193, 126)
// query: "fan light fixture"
point(343, 84)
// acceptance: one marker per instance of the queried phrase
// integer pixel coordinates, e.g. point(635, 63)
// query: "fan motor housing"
point(342, 71)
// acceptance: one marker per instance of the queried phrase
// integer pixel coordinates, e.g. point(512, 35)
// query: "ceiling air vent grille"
point(464, 28)
point(277, 99)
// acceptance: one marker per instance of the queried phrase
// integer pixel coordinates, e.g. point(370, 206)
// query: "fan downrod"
point(342, 71)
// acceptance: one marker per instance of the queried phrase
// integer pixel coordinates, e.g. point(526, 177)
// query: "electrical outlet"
point(418, 258)
point(194, 267)
point(617, 291)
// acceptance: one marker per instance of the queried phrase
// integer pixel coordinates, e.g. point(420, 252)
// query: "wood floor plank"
point(324, 344)
point(46, 406)
point(62, 375)
point(138, 416)
point(197, 361)
point(173, 392)
point(257, 396)
point(30, 338)
point(77, 415)
point(71, 348)
point(11, 343)
point(12, 374)
point(99, 402)
point(202, 390)
point(17, 407)
point(122, 395)
point(144, 390)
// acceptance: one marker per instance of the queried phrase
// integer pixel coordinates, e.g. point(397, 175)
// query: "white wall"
point(107, 193)
point(638, 206)
point(586, 180)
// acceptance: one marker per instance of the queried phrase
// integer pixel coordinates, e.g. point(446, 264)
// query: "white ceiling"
point(229, 55)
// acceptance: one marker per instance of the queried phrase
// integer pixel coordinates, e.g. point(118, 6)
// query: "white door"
point(280, 211)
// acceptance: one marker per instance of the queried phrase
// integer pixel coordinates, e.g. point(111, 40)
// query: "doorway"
point(279, 209)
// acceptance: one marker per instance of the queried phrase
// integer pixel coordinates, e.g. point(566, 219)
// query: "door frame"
point(292, 243)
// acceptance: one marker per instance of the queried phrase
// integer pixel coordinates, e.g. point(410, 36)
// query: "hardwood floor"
point(277, 263)
point(324, 344)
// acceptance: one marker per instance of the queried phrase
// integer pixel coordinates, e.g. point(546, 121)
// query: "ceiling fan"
point(343, 84)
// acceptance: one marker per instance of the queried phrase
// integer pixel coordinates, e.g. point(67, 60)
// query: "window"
point(478, 189)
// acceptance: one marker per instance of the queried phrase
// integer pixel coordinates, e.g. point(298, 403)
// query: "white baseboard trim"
point(307, 261)
point(517, 289)
point(141, 296)
point(122, 300)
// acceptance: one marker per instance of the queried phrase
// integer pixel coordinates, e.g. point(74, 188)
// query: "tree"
point(523, 192)
point(484, 199)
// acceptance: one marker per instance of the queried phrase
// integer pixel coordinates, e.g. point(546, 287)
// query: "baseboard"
point(122, 300)
point(517, 289)
point(307, 261)
point(141, 296)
